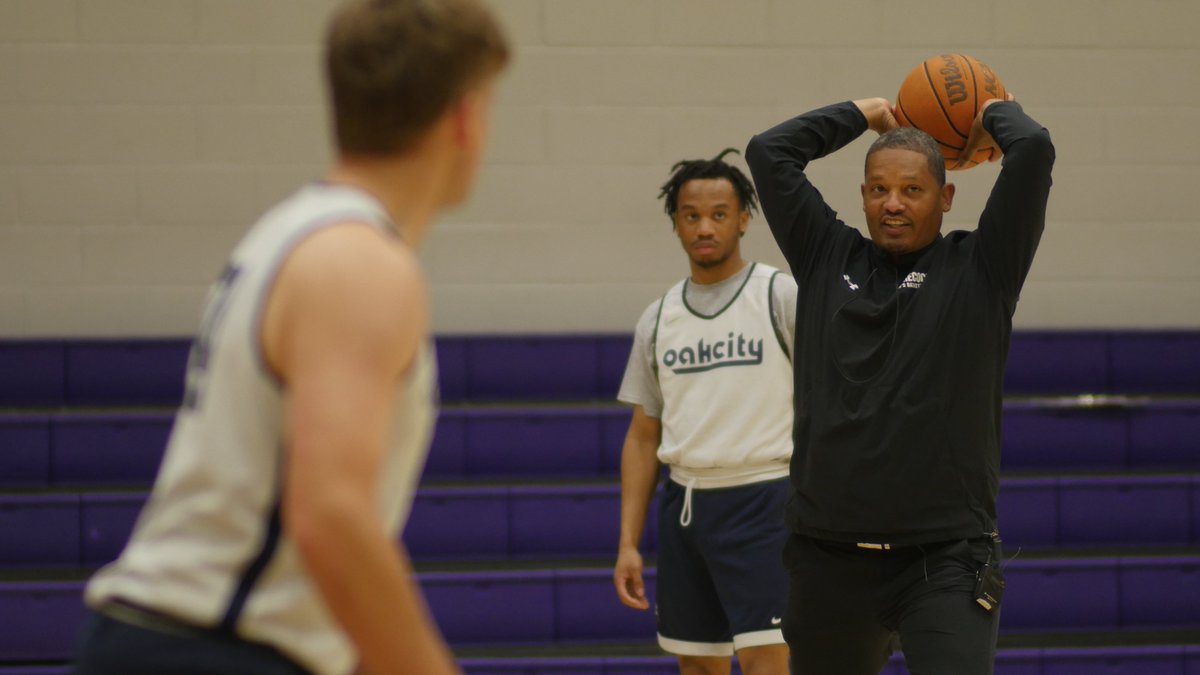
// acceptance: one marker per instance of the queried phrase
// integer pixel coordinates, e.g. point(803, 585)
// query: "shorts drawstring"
point(685, 515)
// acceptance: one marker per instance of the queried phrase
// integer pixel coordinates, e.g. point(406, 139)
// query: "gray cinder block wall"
point(140, 138)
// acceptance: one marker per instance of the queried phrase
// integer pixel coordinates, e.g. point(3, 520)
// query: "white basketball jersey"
point(208, 548)
point(726, 382)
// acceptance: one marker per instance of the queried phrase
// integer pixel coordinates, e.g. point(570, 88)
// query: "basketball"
point(942, 96)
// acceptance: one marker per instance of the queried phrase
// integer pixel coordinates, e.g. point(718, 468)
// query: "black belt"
point(135, 615)
point(881, 547)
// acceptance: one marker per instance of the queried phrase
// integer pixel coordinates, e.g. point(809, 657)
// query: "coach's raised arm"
point(777, 157)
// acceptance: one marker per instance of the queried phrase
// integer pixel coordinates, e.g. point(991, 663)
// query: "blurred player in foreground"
point(269, 544)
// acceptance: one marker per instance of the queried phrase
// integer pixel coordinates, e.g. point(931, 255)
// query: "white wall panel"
point(138, 138)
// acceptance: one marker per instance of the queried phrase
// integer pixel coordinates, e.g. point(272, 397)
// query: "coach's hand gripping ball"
point(942, 97)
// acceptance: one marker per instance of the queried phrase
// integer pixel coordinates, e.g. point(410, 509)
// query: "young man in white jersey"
point(710, 382)
point(269, 544)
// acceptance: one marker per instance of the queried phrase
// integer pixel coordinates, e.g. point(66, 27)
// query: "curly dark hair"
point(717, 167)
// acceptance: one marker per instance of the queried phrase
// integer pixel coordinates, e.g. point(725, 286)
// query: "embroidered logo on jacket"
point(913, 280)
point(853, 286)
point(736, 350)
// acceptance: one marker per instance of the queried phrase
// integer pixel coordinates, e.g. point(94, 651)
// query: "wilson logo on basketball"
point(990, 85)
point(956, 88)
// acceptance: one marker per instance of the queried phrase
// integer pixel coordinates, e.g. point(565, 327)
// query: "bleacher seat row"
point(496, 522)
point(63, 449)
point(118, 372)
point(552, 606)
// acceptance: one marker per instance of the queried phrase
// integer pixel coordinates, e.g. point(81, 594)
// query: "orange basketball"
point(942, 96)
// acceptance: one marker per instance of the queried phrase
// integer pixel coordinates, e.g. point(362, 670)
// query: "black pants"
point(111, 647)
point(845, 603)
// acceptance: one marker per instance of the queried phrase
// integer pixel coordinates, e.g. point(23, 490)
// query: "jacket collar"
point(882, 258)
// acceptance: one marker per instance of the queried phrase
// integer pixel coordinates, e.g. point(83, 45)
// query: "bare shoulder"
point(369, 260)
point(348, 289)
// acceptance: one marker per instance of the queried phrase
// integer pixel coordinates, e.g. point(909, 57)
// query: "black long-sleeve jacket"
point(899, 364)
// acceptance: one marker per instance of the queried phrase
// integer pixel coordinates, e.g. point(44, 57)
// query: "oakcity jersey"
point(726, 382)
point(208, 548)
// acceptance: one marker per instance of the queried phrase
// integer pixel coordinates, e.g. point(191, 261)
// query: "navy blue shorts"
point(721, 583)
point(112, 647)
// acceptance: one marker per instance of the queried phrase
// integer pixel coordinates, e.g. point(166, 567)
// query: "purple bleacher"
point(1125, 511)
point(557, 521)
point(1099, 511)
point(614, 354)
point(583, 520)
point(526, 607)
point(125, 448)
point(1057, 363)
point(459, 523)
point(1165, 434)
point(126, 372)
point(585, 441)
point(532, 367)
point(549, 442)
point(1049, 594)
point(1103, 594)
point(492, 607)
point(644, 666)
point(32, 373)
point(586, 608)
point(519, 522)
point(24, 450)
point(613, 428)
point(1040, 437)
point(39, 530)
point(448, 451)
point(527, 441)
point(141, 371)
point(1148, 660)
point(609, 665)
point(1027, 510)
point(42, 620)
point(106, 521)
point(1156, 362)
point(1010, 662)
point(552, 367)
point(1196, 509)
point(452, 367)
point(571, 521)
point(1160, 592)
point(1151, 660)
point(90, 448)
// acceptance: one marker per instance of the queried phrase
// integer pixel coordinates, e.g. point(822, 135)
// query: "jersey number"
point(202, 347)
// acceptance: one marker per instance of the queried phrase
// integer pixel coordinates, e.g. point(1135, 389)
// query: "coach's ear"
point(947, 197)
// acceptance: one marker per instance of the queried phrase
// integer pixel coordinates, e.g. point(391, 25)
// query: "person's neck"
point(712, 275)
point(408, 187)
